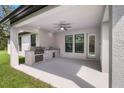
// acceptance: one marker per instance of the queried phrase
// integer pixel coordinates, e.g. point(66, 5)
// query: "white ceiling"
point(79, 16)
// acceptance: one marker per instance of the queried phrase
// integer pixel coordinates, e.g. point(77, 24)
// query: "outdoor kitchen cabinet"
point(32, 57)
point(49, 54)
point(29, 57)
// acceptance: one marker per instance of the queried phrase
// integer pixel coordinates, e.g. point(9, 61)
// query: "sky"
point(9, 7)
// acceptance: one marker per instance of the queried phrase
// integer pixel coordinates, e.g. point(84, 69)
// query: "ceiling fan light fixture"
point(62, 28)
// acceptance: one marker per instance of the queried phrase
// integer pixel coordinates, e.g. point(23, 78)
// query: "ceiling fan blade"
point(62, 24)
point(66, 29)
point(67, 23)
point(57, 26)
point(68, 26)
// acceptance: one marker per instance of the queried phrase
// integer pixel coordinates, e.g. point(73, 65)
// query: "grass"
point(11, 78)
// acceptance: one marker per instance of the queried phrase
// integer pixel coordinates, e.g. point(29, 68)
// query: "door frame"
point(88, 54)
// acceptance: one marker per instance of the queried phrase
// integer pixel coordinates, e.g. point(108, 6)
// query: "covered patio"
point(75, 70)
point(70, 69)
point(66, 72)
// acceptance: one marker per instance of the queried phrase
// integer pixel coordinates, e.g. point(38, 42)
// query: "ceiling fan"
point(63, 26)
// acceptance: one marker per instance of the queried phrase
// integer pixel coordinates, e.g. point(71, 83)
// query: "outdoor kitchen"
point(40, 54)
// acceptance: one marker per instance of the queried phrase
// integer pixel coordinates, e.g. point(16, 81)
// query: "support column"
point(105, 47)
point(105, 30)
point(14, 59)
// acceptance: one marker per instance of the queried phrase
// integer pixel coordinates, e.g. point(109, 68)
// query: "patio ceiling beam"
point(21, 12)
point(11, 14)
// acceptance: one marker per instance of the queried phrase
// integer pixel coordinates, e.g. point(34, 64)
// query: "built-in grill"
point(38, 50)
point(38, 53)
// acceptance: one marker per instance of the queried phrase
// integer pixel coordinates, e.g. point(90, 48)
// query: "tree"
point(4, 11)
point(3, 39)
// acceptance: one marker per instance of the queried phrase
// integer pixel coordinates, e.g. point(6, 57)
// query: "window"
point(20, 44)
point(69, 43)
point(33, 40)
point(79, 43)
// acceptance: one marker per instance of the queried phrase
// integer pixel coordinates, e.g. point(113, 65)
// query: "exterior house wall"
point(37, 39)
point(60, 42)
point(117, 46)
point(46, 39)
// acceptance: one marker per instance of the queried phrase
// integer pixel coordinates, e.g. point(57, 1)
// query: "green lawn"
point(11, 78)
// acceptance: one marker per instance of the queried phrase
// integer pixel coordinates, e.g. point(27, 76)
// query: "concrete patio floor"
point(83, 73)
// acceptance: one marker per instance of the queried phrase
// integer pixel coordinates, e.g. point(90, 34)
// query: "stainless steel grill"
point(38, 52)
